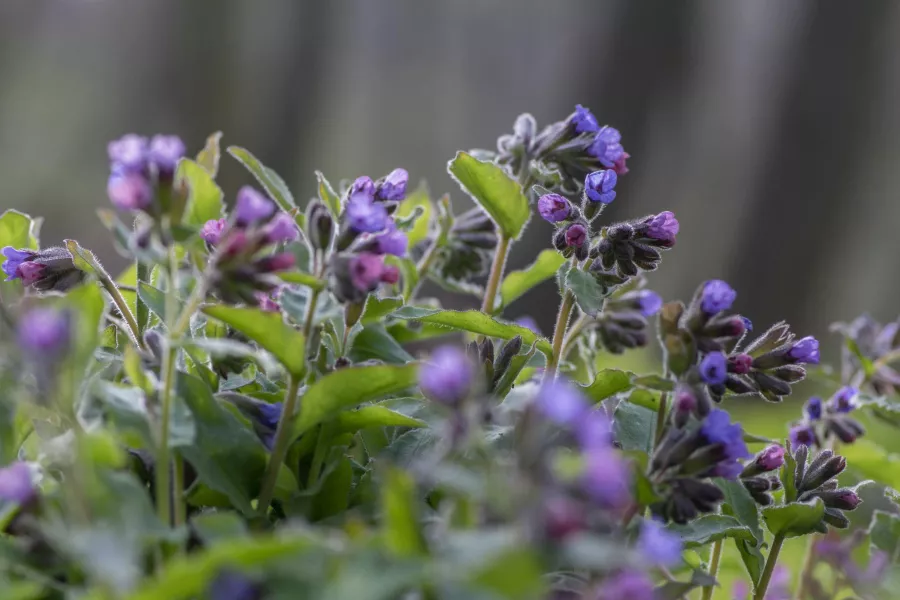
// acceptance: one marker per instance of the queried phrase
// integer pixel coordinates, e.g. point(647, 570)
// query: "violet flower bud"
point(561, 402)
point(447, 376)
point(684, 406)
point(632, 585)
point(14, 260)
point(277, 262)
point(213, 230)
point(128, 153)
point(576, 235)
point(165, 152)
point(813, 408)
point(663, 227)
point(562, 517)
point(44, 332)
point(365, 271)
point(392, 188)
point(583, 120)
point(594, 430)
point(50, 269)
point(805, 350)
point(770, 459)
point(363, 186)
point(803, 435)
point(658, 546)
point(607, 147)
point(607, 478)
point(748, 324)
point(554, 208)
point(266, 302)
point(716, 297)
point(16, 484)
point(649, 302)
point(129, 190)
point(714, 368)
point(599, 186)
point(842, 401)
point(364, 215)
point(252, 206)
point(740, 364)
point(393, 241)
point(231, 585)
point(281, 228)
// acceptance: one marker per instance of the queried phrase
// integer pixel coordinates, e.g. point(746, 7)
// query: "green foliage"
point(517, 283)
point(794, 519)
point(498, 194)
point(204, 201)
point(269, 179)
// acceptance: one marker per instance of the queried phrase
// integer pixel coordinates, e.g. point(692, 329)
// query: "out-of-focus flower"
point(447, 376)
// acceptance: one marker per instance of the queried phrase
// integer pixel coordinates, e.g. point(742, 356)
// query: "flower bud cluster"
point(494, 366)
point(468, 249)
point(759, 477)
point(141, 172)
point(816, 477)
point(47, 270)
point(822, 420)
point(876, 344)
point(624, 321)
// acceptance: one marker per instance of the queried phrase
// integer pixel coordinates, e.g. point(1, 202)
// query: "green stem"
point(141, 308)
point(493, 284)
point(715, 557)
point(572, 335)
point(178, 490)
point(318, 459)
point(559, 334)
point(280, 447)
point(424, 264)
point(112, 289)
point(766, 577)
point(661, 416)
point(809, 563)
point(310, 315)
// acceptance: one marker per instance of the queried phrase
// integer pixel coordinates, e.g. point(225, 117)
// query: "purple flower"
point(717, 428)
point(275, 262)
point(554, 208)
point(728, 469)
point(393, 187)
point(740, 363)
point(281, 229)
point(230, 585)
point(15, 259)
point(685, 400)
point(594, 430)
point(213, 230)
point(842, 401)
point(607, 478)
point(805, 351)
point(44, 332)
point(528, 323)
point(31, 272)
point(447, 376)
point(562, 517)
point(576, 235)
point(607, 147)
point(627, 585)
point(748, 324)
point(128, 190)
point(128, 153)
point(583, 120)
point(599, 186)
point(364, 186)
point(649, 302)
point(393, 241)
point(846, 500)
point(802, 434)
point(659, 546)
point(663, 227)
point(251, 206)
point(714, 368)
point(366, 216)
point(265, 302)
point(813, 408)
point(366, 271)
point(15, 483)
point(560, 402)
point(716, 296)
point(165, 152)
point(771, 458)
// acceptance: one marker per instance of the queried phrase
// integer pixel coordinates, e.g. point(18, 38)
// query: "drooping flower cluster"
point(816, 477)
point(822, 420)
point(624, 321)
point(141, 172)
point(876, 344)
point(47, 270)
point(759, 477)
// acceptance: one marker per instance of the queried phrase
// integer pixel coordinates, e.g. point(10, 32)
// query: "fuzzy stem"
point(180, 516)
point(493, 284)
point(280, 447)
point(766, 577)
point(310, 315)
point(112, 289)
point(559, 334)
point(571, 337)
point(715, 557)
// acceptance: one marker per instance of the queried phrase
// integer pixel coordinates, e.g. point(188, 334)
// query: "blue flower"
point(663, 228)
point(14, 258)
point(716, 296)
point(598, 186)
point(251, 206)
point(714, 368)
point(366, 216)
point(607, 147)
point(717, 428)
point(805, 350)
point(561, 403)
point(230, 585)
point(814, 408)
point(447, 376)
point(802, 435)
point(842, 401)
point(128, 153)
point(649, 302)
point(554, 208)
point(44, 332)
point(607, 478)
point(658, 545)
point(594, 430)
point(15, 483)
point(393, 187)
point(583, 120)
point(165, 152)
point(627, 585)
point(393, 241)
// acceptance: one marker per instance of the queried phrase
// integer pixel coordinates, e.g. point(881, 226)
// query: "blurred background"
point(770, 127)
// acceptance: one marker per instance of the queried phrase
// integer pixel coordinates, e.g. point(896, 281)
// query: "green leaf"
point(608, 383)
point(349, 387)
point(740, 505)
point(655, 382)
point(155, 299)
point(351, 421)
point(328, 196)
point(269, 179)
point(204, 201)
point(214, 528)
point(374, 342)
point(710, 528)
point(125, 408)
point(269, 331)
point(208, 158)
point(885, 532)
point(18, 230)
point(516, 283)
point(226, 454)
point(794, 519)
point(787, 474)
point(644, 398)
point(418, 199)
point(307, 279)
point(494, 190)
point(515, 574)
point(474, 321)
point(376, 308)
point(400, 526)
point(644, 491)
point(635, 426)
point(109, 338)
point(588, 293)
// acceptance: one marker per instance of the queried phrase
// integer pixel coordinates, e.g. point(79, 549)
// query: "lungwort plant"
point(240, 414)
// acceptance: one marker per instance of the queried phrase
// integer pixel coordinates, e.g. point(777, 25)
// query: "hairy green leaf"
point(794, 519)
point(494, 190)
point(710, 528)
point(517, 283)
point(269, 179)
point(204, 200)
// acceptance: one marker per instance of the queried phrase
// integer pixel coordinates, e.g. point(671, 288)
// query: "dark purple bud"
point(843, 499)
point(128, 153)
point(560, 402)
point(607, 147)
point(44, 332)
point(658, 546)
point(805, 351)
point(252, 206)
point(803, 435)
point(165, 152)
point(620, 167)
point(364, 215)
point(576, 235)
point(277, 262)
point(447, 376)
point(740, 364)
point(213, 230)
point(770, 459)
point(599, 186)
point(714, 368)
point(632, 585)
point(649, 302)
point(281, 228)
point(15, 483)
point(554, 208)
point(393, 187)
point(716, 297)
point(393, 241)
point(129, 190)
point(813, 408)
point(14, 260)
point(607, 478)
point(842, 401)
point(583, 120)
point(390, 274)
point(663, 227)
point(562, 517)
point(236, 242)
point(363, 186)
point(366, 271)
point(685, 404)
point(230, 585)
